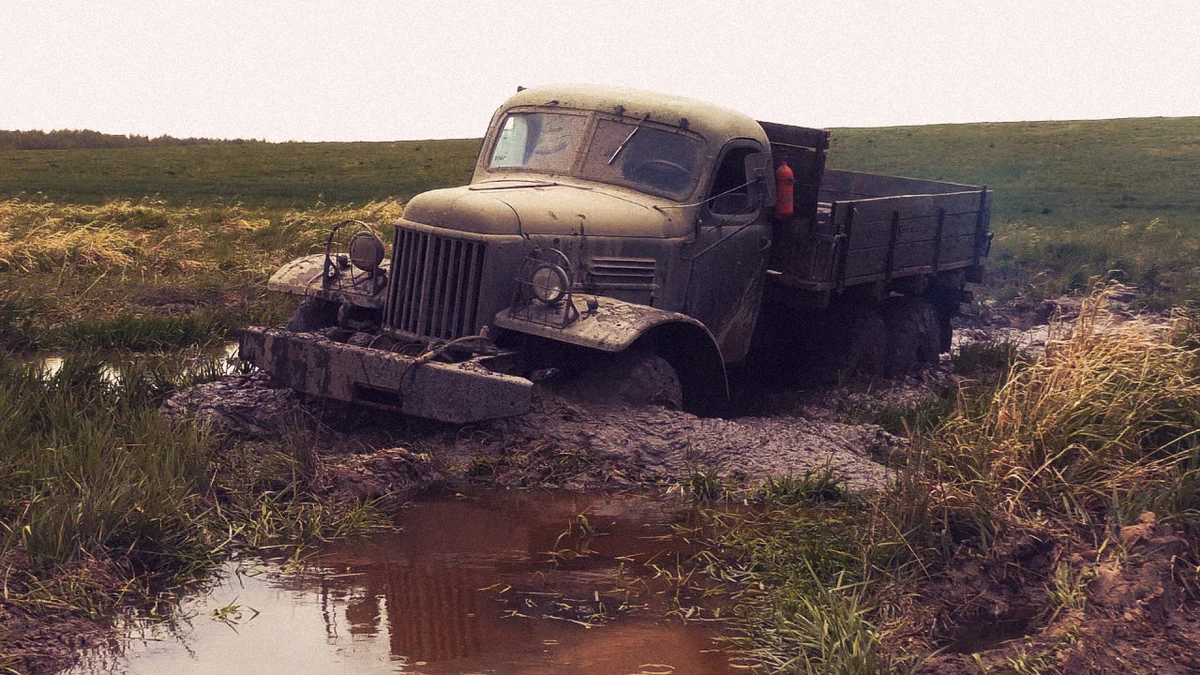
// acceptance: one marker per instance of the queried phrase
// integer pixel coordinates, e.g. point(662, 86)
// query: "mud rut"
point(562, 442)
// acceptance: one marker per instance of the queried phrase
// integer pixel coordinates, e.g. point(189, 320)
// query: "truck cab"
point(644, 196)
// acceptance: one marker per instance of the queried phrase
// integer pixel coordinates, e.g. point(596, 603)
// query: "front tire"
point(635, 377)
point(312, 315)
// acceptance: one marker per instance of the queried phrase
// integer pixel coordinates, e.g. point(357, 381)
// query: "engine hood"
point(544, 208)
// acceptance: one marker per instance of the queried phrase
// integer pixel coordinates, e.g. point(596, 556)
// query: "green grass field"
point(254, 174)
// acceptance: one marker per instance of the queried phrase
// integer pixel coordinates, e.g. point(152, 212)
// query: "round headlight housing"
point(549, 284)
point(366, 251)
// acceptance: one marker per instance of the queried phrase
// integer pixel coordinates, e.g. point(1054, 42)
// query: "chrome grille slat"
point(436, 285)
point(474, 272)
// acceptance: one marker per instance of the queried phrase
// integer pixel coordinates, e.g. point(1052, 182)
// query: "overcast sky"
point(400, 69)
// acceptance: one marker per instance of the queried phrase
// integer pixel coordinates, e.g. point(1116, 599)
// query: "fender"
point(305, 276)
point(613, 325)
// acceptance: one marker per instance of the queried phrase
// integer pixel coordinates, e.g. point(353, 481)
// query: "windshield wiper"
point(521, 183)
point(627, 139)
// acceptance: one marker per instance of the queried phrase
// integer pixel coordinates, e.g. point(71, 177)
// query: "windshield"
point(649, 158)
point(546, 142)
point(637, 154)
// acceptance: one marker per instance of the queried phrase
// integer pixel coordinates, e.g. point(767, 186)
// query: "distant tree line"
point(76, 139)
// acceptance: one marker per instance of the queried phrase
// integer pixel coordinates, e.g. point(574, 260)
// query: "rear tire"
point(862, 350)
point(913, 332)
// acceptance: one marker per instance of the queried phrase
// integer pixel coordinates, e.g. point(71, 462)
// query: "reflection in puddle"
point(223, 358)
point(464, 588)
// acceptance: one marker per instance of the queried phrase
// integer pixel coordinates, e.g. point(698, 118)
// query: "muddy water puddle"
point(495, 582)
point(223, 359)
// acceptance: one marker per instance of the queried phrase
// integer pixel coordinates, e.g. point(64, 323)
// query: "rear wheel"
point(913, 334)
point(862, 344)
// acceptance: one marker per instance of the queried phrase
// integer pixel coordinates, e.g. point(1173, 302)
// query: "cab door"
point(728, 259)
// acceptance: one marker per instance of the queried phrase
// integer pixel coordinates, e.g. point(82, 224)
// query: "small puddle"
point(466, 587)
point(222, 357)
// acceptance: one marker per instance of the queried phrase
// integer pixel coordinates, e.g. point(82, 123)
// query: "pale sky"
point(399, 69)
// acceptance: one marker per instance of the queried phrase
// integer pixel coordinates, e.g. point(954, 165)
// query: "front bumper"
point(450, 392)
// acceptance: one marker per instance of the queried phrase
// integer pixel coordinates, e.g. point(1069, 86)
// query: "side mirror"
point(760, 177)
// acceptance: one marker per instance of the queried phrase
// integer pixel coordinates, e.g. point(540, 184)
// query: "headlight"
point(366, 251)
point(549, 283)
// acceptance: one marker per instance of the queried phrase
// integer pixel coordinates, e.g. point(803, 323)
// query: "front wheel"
point(634, 377)
point(312, 315)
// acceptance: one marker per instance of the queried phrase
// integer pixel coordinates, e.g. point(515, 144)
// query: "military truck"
point(646, 243)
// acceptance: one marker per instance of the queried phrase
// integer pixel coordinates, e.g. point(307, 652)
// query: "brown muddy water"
point(497, 582)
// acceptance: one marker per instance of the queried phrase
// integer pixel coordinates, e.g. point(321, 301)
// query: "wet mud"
point(999, 611)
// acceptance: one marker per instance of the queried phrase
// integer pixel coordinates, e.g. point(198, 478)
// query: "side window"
point(730, 196)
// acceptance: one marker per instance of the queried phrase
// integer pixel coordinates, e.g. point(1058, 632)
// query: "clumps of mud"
point(1121, 606)
point(380, 474)
point(1029, 326)
point(560, 444)
point(245, 405)
point(651, 444)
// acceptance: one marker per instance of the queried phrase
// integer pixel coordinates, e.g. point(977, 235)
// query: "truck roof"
point(709, 120)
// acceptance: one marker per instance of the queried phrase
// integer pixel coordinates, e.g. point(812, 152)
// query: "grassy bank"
point(1022, 510)
point(105, 503)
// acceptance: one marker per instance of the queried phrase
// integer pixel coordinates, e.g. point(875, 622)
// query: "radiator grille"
point(435, 284)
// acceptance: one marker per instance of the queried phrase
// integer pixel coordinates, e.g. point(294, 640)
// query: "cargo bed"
point(852, 228)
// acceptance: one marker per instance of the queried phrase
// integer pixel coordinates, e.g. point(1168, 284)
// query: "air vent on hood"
point(622, 273)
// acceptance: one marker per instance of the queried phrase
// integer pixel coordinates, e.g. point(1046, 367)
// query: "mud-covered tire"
point(913, 334)
point(860, 348)
point(643, 378)
point(312, 315)
point(634, 377)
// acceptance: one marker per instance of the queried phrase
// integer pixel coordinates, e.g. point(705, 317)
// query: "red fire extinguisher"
point(784, 181)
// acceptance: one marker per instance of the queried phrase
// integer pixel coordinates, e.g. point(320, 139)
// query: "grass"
point(1099, 430)
point(1067, 448)
point(106, 503)
point(253, 175)
point(147, 275)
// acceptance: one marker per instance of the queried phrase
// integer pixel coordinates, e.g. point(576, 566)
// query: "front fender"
point(611, 327)
point(615, 325)
point(306, 276)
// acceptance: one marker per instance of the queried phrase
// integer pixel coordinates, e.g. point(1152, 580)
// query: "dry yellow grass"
point(1104, 426)
point(69, 264)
